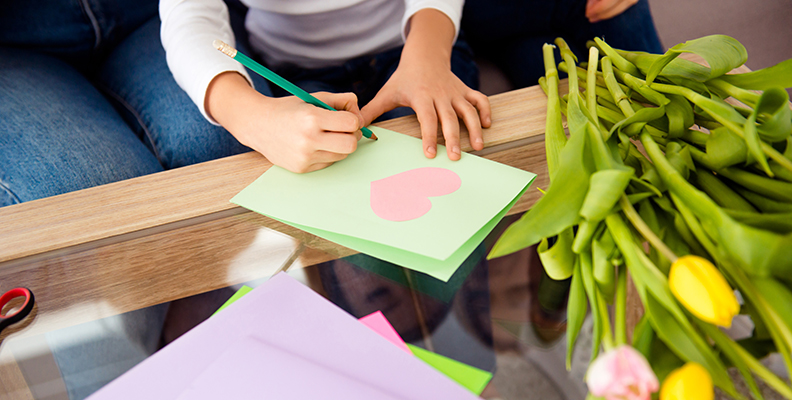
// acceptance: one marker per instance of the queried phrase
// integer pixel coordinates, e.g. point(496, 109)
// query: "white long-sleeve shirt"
point(309, 33)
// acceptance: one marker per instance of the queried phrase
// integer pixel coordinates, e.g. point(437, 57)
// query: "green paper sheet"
point(245, 289)
point(333, 203)
point(472, 378)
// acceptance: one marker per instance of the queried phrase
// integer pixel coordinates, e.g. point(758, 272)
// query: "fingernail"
point(479, 141)
point(455, 149)
point(489, 120)
point(431, 150)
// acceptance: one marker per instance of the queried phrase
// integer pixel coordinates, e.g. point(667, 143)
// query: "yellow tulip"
point(689, 382)
point(701, 288)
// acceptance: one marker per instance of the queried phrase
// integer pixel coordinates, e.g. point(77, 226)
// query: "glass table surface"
point(103, 309)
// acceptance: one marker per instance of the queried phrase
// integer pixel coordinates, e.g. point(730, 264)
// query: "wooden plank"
point(108, 211)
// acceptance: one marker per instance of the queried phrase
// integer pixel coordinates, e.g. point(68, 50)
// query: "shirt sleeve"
point(188, 29)
point(451, 8)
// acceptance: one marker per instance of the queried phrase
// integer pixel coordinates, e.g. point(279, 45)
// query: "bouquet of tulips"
point(663, 181)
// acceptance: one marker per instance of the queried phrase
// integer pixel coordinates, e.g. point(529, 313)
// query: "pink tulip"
point(621, 374)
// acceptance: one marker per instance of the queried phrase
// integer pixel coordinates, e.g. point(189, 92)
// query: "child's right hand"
point(291, 133)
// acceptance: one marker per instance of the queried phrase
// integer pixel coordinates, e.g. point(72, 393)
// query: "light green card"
point(335, 203)
point(245, 289)
point(472, 378)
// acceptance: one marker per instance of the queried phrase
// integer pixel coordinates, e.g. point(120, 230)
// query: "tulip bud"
point(621, 374)
point(701, 288)
point(691, 381)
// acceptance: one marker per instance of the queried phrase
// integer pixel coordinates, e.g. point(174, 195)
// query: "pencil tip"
point(374, 137)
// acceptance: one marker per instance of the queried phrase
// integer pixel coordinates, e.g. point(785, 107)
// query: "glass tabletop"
point(105, 307)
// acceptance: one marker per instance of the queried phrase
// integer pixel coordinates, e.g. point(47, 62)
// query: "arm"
point(424, 82)
point(289, 132)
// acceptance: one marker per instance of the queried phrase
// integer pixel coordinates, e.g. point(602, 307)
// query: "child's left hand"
point(424, 82)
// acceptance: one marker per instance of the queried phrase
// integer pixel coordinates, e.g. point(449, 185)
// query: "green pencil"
point(278, 80)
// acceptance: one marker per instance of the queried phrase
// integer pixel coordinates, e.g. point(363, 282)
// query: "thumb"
point(380, 104)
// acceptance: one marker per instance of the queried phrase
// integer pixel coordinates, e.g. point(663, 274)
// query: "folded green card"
point(389, 201)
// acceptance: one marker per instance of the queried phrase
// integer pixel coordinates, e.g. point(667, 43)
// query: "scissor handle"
point(19, 314)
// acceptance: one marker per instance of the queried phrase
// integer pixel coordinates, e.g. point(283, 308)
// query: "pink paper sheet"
point(378, 323)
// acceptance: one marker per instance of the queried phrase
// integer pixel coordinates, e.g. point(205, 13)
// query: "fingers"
point(337, 121)
point(380, 104)
point(342, 102)
point(335, 142)
point(471, 118)
point(605, 9)
point(481, 102)
point(313, 162)
point(339, 101)
point(427, 118)
point(620, 8)
point(450, 123)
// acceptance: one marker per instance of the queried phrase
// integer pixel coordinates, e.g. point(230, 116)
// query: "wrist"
point(430, 38)
point(225, 95)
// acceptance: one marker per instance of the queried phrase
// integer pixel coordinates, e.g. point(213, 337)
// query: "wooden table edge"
point(168, 198)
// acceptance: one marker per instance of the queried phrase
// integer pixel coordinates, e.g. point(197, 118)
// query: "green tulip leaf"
point(605, 189)
point(722, 53)
point(773, 115)
point(676, 68)
point(640, 118)
point(602, 250)
point(751, 136)
point(725, 148)
point(643, 336)
point(576, 312)
point(591, 291)
point(557, 210)
point(779, 75)
point(558, 260)
point(775, 222)
point(680, 116)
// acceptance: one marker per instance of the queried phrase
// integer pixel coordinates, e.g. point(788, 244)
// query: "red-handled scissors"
point(21, 312)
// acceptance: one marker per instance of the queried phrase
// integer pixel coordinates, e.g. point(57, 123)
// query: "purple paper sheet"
point(282, 340)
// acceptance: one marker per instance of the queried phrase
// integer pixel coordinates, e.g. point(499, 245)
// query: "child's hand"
point(598, 10)
point(424, 82)
point(291, 133)
point(436, 95)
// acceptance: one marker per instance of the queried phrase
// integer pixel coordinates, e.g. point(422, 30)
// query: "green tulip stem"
point(591, 83)
point(615, 90)
point(607, 336)
point(555, 138)
point(569, 58)
point(747, 97)
point(621, 308)
point(732, 349)
point(645, 230)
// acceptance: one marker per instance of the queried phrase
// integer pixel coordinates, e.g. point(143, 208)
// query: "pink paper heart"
point(405, 196)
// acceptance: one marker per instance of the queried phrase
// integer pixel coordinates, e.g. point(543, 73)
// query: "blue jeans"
point(511, 33)
point(86, 98)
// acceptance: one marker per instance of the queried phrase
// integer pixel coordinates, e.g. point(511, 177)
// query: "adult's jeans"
point(511, 33)
point(86, 98)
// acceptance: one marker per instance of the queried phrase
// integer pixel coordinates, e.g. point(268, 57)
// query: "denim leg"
point(58, 133)
point(136, 75)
